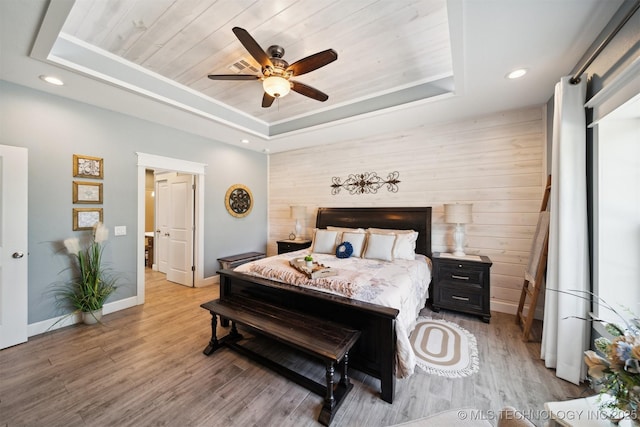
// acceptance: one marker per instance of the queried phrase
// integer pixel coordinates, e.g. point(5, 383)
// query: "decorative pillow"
point(389, 231)
point(405, 246)
point(357, 242)
point(324, 242)
point(344, 250)
point(342, 230)
point(380, 246)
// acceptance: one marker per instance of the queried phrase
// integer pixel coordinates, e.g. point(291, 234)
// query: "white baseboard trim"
point(208, 281)
point(67, 320)
point(512, 308)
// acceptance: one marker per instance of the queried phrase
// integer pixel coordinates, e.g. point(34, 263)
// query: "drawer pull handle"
point(460, 298)
point(453, 276)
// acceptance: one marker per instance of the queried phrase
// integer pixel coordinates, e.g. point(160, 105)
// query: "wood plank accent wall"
point(496, 162)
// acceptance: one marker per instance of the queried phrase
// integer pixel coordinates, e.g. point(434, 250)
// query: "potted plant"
point(93, 284)
point(309, 260)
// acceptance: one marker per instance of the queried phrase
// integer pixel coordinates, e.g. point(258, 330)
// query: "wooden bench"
point(319, 338)
point(232, 261)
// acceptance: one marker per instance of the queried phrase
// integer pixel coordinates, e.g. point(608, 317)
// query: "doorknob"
point(166, 234)
point(17, 255)
point(157, 231)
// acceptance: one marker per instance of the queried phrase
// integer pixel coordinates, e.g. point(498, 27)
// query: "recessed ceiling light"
point(244, 141)
point(52, 80)
point(516, 74)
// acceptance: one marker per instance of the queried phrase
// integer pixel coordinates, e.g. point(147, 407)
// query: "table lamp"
point(458, 214)
point(298, 213)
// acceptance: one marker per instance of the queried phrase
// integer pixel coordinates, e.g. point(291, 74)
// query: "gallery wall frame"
point(86, 218)
point(87, 192)
point(88, 166)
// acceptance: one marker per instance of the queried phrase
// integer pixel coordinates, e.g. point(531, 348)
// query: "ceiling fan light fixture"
point(276, 86)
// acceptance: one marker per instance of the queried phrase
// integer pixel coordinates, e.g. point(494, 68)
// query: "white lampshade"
point(298, 212)
point(457, 213)
point(276, 86)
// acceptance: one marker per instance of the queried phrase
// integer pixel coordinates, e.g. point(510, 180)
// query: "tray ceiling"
point(389, 53)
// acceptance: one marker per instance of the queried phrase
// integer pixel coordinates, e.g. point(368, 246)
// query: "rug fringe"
point(474, 356)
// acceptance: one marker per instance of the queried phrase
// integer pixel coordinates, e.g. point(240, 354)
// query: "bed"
point(376, 353)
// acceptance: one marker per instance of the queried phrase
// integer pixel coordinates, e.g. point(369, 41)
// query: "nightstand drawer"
point(462, 298)
point(285, 246)
point(462, 274)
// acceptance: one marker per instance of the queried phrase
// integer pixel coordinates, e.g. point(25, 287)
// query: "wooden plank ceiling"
point(382, 45)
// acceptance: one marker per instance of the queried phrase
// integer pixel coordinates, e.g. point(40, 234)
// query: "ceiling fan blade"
point(305, 90)
point(233, 77)
point(313, 62)
point(267, 100)
point(252, 47)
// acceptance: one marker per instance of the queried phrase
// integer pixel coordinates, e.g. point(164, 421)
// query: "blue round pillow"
point(344, 250)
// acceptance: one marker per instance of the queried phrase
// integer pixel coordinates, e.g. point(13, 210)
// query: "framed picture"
point(87, 192)
point(86, 218)
point(88, 167)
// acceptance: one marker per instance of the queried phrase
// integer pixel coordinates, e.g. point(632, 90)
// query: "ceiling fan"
point(276, 72)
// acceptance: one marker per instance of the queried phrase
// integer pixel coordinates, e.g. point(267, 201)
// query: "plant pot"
point(309, 264)
point(92, 317)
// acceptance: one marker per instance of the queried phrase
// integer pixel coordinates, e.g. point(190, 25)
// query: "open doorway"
point(169, 225)
point(180, 167)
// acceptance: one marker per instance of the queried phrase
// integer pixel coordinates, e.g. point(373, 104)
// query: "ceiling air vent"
point(242, 65)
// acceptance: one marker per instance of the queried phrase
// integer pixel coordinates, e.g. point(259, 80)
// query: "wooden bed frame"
point(375, 351)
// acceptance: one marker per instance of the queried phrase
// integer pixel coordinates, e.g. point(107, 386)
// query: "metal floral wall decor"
point(238, 200)
point(365, 183)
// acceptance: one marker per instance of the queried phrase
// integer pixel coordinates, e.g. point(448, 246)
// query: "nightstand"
point(461, 284)
point(285, 246)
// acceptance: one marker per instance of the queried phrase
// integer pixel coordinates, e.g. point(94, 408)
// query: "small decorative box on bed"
point(382, 306)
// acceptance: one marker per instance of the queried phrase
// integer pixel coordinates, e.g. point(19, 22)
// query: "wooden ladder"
point(534, 273)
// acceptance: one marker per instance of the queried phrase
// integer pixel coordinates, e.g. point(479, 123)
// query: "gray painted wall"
point(54, 128)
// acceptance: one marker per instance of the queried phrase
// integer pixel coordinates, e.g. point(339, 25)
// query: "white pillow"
point(324, 242)
point(342, 230)
point(405, 246)
point(388, 231)
point(380, 246)
point(357, 242)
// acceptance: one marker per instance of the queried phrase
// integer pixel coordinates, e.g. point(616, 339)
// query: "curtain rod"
point(576, 77)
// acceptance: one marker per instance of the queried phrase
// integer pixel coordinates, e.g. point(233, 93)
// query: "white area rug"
point(444, 348)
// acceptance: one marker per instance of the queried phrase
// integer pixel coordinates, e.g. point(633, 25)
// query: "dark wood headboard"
point(418, 219)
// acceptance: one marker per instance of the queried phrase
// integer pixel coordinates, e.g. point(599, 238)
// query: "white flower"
point(73, 245)
point(100, 233)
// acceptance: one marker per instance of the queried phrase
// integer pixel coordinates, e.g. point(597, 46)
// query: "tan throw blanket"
point(342, 283)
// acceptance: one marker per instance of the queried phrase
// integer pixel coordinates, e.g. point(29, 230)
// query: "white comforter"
point(401, 284)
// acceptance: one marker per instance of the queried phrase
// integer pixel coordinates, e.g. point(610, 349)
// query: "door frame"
point(152, 161)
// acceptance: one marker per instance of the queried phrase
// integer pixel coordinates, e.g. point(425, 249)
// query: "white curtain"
point(565, 338)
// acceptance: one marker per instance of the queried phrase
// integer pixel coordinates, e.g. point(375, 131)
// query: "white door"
point(161, 242)
point(13, 246)
point(181, 195)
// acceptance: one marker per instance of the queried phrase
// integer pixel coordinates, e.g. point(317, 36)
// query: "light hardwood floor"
point(144, 367)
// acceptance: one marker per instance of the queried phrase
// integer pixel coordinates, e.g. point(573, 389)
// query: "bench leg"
point(213, 343)
point(335, 396)
point(329, 401)
point(327, 412)
point(344, 380)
